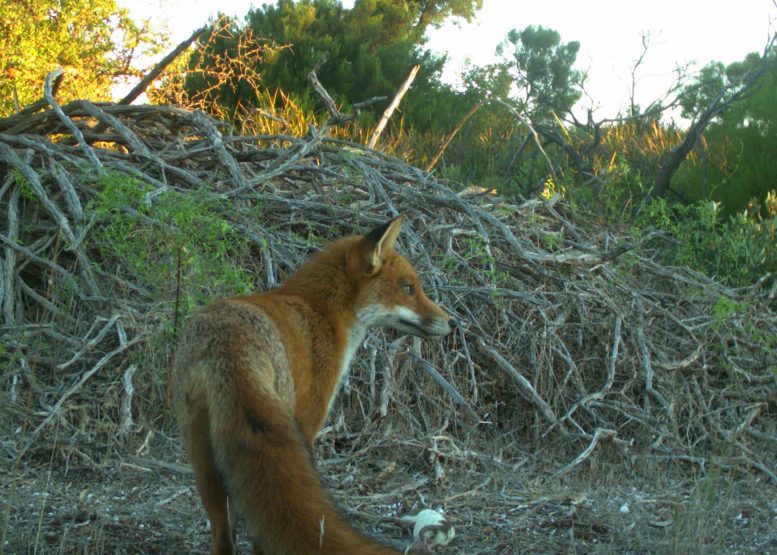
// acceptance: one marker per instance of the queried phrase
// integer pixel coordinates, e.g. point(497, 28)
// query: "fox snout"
point(439, 327)
point(430, 326)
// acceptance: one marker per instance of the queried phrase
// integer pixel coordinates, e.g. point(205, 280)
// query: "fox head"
point(388, 291)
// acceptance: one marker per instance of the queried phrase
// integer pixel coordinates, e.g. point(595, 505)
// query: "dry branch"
point(375, 135)
point(75, 387)
point(433, 162)
point(599, 434)
point(149, 78)
point(585, 333)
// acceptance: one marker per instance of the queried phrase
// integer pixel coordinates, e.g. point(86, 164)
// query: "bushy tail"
point(268, 472)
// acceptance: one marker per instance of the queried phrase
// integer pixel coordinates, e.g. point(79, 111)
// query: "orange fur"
point(254, 378)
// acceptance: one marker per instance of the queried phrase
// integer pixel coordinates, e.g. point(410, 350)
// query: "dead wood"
point(568, 331)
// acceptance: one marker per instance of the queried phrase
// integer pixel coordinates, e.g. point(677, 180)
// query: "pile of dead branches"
point(568, 333)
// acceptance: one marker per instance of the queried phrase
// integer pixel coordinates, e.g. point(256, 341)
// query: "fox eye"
point(408, 289)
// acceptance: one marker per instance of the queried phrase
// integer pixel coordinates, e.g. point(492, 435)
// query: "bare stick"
point(107, 119)
point(525, 387)
point(75, 387)
point(92, 343)
point(28, 253)
point(763, 468)
point(38, 104)
point(357, 106)
point(392, 106)
point(75, 131)
point(9, 268)
point(281, 165)
point(148, 464)
point(207, 125)
point(599, 433)
point(58, 216)
point(182, 491)
point(337, 116)
point(451, 135)
point(445, 384)
point(599, 395)
point(125, 410)
point(68, 191)
point(648, 367)
point(536, 136)
point(43, 301)
point(138, 89)
point(613, 354)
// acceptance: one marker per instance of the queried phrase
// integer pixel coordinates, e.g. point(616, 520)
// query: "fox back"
point(255, 377)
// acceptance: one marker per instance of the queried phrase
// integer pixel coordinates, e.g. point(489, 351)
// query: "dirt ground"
point(142, 500)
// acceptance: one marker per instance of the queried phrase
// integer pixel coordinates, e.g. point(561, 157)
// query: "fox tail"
point(267, 469)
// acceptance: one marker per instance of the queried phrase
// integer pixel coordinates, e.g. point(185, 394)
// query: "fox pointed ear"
point(378, 241)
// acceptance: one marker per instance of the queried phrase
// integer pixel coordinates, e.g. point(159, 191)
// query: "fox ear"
point(378, 241)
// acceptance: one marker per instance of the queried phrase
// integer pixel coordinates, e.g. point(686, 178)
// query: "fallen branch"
point(149, 78)
point(32, 437)
point(599, 434)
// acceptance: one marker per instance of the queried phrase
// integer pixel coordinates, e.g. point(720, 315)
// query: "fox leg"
point(209, 484)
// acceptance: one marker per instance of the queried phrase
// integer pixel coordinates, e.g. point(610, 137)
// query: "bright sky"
point(609, 32)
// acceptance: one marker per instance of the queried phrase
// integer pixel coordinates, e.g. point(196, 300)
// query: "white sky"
point(609, 32)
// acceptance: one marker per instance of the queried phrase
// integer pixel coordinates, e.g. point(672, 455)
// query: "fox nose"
point(453, 323)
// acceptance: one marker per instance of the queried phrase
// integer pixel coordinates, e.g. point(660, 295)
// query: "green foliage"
point(372, 46)
point(482, 151)
point(735, 164)
point(94, 41)
point(540, 66)
point(707, 85)
point(536, 78)
point(415, 16)
point(739, 250)
point(369, 49)
point(724, 309)
point(149, 235)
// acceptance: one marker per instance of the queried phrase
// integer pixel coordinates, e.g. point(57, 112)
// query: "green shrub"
point(151, 236)
point(739, 250)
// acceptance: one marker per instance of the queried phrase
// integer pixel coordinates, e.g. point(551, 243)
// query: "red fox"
point(254, 379)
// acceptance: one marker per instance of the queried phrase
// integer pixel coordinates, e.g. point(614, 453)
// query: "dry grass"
point(584, 377)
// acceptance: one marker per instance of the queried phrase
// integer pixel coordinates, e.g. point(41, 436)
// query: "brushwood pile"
point(573, 342)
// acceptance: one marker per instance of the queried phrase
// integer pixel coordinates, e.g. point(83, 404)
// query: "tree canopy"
point(369, 49)
point(540, 68)
point(94, 41)
point(736, 162)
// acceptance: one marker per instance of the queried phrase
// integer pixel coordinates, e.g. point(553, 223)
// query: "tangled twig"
point(559, 318)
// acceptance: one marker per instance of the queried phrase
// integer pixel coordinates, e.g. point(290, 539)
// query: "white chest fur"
point(355, 338)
